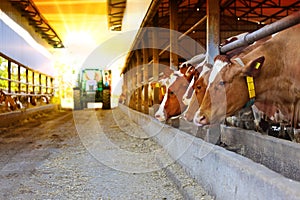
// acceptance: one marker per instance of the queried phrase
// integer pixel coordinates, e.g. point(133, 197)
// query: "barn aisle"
point(47, 158)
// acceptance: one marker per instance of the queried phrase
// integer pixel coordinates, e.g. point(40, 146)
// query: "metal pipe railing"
point(267, 30)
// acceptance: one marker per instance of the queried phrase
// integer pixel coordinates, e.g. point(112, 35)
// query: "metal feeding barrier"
point(275, 27)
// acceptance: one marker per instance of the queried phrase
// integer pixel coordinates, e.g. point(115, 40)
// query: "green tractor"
point(94, 86)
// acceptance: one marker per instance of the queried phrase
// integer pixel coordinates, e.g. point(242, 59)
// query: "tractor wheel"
point(106, 99)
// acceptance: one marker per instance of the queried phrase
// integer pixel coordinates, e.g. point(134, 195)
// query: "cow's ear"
point(253, 68)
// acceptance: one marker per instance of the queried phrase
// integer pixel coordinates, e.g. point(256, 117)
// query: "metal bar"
point(275, 27)
point(19, 78)
point(27, 87)
point(173, 17)
point(212, 29)
point(9, 75)
point(155, 38)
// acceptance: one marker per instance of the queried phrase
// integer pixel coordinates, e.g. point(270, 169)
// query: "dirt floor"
point(84, 155)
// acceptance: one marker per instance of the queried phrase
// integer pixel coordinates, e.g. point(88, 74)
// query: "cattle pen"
point(195, 37)
point(209, 103)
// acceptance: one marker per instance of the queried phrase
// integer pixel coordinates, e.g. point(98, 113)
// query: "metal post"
point(9, 76)
point(19, 79)
point(145, 74)
point(213, 29)
point(33, 83)
point(138, 80)
point(40, 83)
point(173, 10)
point(27, 87)
point(155, 49)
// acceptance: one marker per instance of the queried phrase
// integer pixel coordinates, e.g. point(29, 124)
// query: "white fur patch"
point(273, 35)
point(204, 70)
point(239, 61)
point(160, 115)
point(202, 63)
point(185, 100)
point(218, 66)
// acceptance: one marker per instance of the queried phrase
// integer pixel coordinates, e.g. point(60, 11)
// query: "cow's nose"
point(157, 116)
point(187, 117)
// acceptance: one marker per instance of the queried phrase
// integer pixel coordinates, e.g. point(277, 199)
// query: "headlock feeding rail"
point(275, 27)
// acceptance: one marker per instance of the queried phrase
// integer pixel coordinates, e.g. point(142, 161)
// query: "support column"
point(132, 86)
point(40, 84)
point(155, 59)
point(213, 29)
point(9, 76)
point(125, 88)
point(128, 92)
point(145, 74)
point(138, 80)
point(19, 79)
point(173, 10)
point(155, 49)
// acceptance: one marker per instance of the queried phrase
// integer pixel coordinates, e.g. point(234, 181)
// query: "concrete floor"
point(85, 155)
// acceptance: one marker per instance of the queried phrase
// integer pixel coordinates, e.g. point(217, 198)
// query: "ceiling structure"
point(79, 23)
point(80, 26)
point(236, 15)
point(40, 24)
point(116, 10)
point(74, 17)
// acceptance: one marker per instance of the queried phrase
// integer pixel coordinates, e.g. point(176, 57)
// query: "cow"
point(188, 93)
point(8, 101)
point(198, 88)
point(172, 104)
point(274, 68)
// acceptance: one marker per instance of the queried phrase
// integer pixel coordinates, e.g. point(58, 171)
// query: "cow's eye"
point(171, 93)
point(198, 87)
point(222, 83)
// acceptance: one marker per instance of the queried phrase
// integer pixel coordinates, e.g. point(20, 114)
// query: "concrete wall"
point(14, 117)
point(277, 154)
point(224, 174)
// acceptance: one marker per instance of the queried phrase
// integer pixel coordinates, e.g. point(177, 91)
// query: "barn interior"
point(69, 31)
point(85, 60)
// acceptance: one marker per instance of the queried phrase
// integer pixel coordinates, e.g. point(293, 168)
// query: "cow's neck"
point(281, 92)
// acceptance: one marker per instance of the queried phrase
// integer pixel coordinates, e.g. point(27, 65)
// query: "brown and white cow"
point(172, 104)
point(274, 66)
point(188, 93)
point(199, 89)
point(8, 101)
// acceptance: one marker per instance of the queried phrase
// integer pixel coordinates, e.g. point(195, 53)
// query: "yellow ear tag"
point(162, 91)
point(157, 85)
point(257, 65)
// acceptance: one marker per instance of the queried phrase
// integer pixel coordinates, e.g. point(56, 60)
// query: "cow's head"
point(195, 73)
point(172, 104)
point(199, 88)
point(227, 90)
